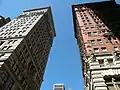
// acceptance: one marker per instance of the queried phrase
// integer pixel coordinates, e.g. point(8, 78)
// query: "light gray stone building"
point(58, 87)
point(25, 44)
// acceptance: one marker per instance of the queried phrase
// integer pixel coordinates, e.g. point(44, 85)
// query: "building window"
point(3, 77)
point(92, 27)
point(83, 20)
point(99, 41)
point(1, 42)
point(88, 20)
point(92, 42)
point(9, 47)
point(104, 49)
point(20, 76)
point(2, 54)
point(82, 17)
point(23, 31)
point(113, 83)
point(116, 49)
point(89, 33)
point(116, 42)
point(114, 38)
point(95, 33)
point(12, 62)
point(27, 87)
point(89, 46)
point(110, 61)
point(85, 23)
point(10, 41)
point(86, 17)
point(4, 48)
point(14, 87)
point(14, 41)
point(9, 84)
point(87, 28)
point(14, 67)
point(17, 71)
point(99, 32)
point(24, 83)
point(101, 62)
point(90, 23)
point(96, 50)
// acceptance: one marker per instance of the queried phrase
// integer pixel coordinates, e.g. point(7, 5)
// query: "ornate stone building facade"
point(25, 44)
point(97, 30)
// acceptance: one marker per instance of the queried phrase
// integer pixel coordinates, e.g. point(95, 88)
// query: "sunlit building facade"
point(25, 44)
point(97, 30)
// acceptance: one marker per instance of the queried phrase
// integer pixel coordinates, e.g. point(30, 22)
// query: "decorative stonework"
point(111, 72)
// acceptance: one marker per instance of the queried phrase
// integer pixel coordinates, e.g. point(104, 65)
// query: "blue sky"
point(64, 64)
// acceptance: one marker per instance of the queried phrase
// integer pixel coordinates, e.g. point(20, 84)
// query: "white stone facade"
point(97, 72)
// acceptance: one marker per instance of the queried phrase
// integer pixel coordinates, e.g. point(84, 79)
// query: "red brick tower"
point(97, 32)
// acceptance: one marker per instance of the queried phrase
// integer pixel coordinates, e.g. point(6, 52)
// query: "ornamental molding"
point(30, 14)
point(111, 72)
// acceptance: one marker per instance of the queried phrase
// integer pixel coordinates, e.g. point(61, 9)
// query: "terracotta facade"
point(99, 43)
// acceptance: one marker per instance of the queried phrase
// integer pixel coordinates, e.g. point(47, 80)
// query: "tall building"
point(4, 21)
point(97, 30)
point(25, 44)
point(58, 87)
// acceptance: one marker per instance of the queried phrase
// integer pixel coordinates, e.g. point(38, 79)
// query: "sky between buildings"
point(64, 64)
